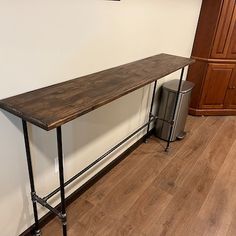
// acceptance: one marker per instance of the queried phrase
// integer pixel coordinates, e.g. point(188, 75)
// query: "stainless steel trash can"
point(166, 109)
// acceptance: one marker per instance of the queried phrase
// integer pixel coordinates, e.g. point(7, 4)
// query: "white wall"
point(49, 41)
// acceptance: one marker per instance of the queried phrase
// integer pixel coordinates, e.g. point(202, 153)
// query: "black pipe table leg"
point(31, 178)
point(61, 177)
point(150, 112)
point(175, 107)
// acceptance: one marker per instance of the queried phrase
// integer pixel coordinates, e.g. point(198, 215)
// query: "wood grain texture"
point(216, 213)
point(200, 202)
point(173, 175)
point(178, 217)
point(55, 105)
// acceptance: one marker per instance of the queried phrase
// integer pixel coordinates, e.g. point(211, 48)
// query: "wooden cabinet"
point(214, 72)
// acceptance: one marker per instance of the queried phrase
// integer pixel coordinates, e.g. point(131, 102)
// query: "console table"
point(51, 107)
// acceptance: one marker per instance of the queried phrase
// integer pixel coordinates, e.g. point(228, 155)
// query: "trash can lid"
point(173, 85)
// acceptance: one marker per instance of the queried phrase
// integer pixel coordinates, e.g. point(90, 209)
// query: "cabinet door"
point(216, 85)
point(224, 30)
point(232, 39)
point(230, 99)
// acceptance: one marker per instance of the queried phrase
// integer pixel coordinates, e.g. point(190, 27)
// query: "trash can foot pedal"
point(181, 135)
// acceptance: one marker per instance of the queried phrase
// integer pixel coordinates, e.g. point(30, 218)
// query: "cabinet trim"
point(212, 60)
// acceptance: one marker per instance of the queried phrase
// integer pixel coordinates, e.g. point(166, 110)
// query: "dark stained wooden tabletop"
point(55, 105)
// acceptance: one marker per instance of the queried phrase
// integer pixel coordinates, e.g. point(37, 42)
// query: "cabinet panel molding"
point(216, 85)
point(230, 99)
point(224, 30)
point(232, 38)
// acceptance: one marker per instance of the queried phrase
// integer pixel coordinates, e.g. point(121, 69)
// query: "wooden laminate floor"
point(190, 191)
